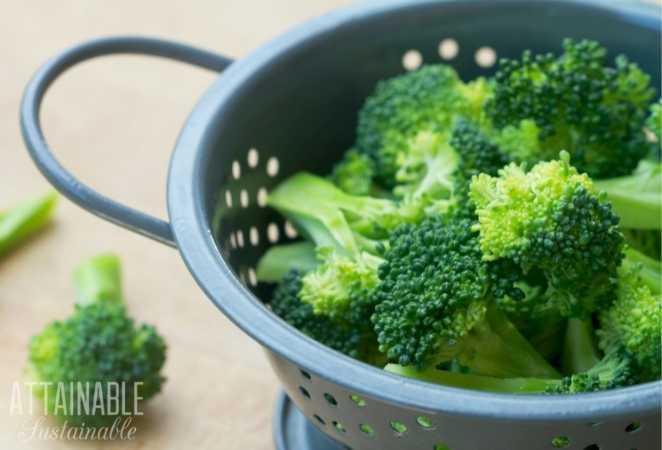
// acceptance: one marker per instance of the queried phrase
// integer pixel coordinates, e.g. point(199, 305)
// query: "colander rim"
point(215, 276)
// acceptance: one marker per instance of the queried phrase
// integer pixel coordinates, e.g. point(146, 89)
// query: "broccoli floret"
point(654, 125)
point(551, 220)
point(100, 343)
point(637, 198)
point(354, 173)
point(427, 100)
point(22, 221)
point(577, 103)
point(434, 304)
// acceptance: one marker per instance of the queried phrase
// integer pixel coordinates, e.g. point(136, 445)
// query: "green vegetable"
point(435, 303)
point(281, 259)
point(21, 222)
point(97, 346)
point(577, 103)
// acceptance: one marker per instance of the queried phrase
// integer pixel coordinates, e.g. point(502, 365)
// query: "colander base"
point(292, 431)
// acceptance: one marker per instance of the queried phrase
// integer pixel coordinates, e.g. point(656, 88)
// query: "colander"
point(292, 105)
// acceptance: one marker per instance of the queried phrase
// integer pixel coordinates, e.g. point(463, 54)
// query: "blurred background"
point(114, 121)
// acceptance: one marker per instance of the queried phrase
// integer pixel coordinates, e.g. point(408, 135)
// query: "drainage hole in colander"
point(592, 447)
point(399, 427)
point(243, 198)
point(319, 419)
point(367, 429)
point(358, 401)
point(252, 158)
point(262, 195)
point(425, 422)
point(236, 170)
point(330, 399)
point(233, 240)
point(290, 231)
point(448, 48)
point(254, 236)
point(412, 60)
point(304, 392)
point(485, 57)
point(273, 234)
point(305, 374)
point(240, 238)
point(633, 427)
point(560, 442)
point(228, 199)
point(252, 277)
point(340, 428)
point(273, 166)
point(441, 446)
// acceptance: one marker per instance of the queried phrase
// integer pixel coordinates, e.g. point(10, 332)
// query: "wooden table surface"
point(114, 122)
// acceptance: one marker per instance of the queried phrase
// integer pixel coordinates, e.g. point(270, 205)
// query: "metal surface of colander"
point(292, 105)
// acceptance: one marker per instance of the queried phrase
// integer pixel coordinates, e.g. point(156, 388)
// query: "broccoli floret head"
point(354, 173)
point(633, 325)
point(434, 304)
point(551, 220)
point(426, 100)
point(577, 103)
point(99, 343)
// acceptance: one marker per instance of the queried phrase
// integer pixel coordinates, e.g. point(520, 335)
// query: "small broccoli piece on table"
point(551, 220)
point(435, 304)
point(100, 343)
point(427, 100)
point(574, 102)
point(22, 221)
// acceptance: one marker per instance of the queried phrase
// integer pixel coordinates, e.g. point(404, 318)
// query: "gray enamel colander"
point(292, 105)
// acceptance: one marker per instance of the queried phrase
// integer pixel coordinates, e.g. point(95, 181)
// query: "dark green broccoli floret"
point(551, 220)
point(424, 101)
point(434, 304)
point(98, 343)
point(577, 103)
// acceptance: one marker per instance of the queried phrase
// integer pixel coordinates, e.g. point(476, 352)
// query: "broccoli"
point(575, 102)
point(637, 198)
point(281, 259)
point(649, 242)
point(551, 220)
point(629, 336)
point(424, 101)
point(354, 173)
point(654, 125)
point(434, 303)
point(22, 221)
point(98, 343)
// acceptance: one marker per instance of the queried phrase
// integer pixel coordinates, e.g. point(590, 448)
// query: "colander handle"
point(42, 155)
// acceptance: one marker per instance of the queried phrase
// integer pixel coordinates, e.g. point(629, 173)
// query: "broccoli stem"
point(496, 348)
point(19, 223)
point(579, 352)
point(651, 269)
point(98, 279)
point(475, 382)
point(280, 259)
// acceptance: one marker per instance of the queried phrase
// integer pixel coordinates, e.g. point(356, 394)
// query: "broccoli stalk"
point(579, 351)
point(21, 222)
point(281, 259)
point(98, 343)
